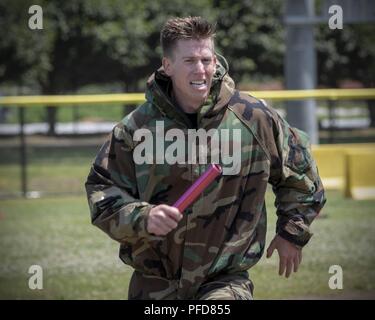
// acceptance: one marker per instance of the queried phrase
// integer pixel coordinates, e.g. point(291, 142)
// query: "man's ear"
point(167, 66)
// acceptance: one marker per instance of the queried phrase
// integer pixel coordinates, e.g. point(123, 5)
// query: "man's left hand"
point(290, 255)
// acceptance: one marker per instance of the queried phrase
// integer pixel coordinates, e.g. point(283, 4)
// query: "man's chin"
point(201, 100)
point(202, 96)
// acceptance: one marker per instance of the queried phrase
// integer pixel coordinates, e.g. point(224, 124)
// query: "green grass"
point(52, 169)
point(343, 235)
point(80, 262)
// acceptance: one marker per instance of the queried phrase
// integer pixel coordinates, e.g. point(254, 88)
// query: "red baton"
point(191, 194)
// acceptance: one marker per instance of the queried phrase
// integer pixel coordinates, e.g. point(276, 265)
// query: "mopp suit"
point(223, 234)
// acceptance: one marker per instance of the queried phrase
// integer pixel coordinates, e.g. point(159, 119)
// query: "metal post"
point(300, 65)
point(23, 154)
point(75, 119)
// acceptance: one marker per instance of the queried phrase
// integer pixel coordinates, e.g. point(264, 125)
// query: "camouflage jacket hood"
point(224, 231)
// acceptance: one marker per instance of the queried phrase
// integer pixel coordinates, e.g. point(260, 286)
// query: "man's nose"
point(199, 67)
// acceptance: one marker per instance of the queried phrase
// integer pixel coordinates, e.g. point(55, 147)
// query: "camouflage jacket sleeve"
point(112, 190)
point(295, 180)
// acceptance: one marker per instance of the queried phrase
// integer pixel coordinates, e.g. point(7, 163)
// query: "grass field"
point(81, 262)
point(49, 169)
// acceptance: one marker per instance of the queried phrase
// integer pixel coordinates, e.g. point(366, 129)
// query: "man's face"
point(191, 69)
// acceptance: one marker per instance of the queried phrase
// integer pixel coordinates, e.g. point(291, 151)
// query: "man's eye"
point(206, 61)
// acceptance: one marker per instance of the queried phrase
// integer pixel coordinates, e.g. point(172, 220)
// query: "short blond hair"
point(187, 28)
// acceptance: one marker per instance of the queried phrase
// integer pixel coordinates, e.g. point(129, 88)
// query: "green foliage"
point(250, 35)
point(85, 42)
point(100, 42)
point(346, 54)
point(22, 52)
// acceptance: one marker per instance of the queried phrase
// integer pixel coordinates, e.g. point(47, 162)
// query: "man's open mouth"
point(199, 83)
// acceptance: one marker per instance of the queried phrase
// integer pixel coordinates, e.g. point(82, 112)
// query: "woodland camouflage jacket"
point(224, 231)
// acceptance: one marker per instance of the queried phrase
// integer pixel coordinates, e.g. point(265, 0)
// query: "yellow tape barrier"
point(136, 98)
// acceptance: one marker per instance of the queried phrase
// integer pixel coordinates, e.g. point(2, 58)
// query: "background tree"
point(250, 35)
point(347, 54)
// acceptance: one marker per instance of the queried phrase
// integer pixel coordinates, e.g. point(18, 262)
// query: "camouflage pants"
point(224, 287)
point(227, 287)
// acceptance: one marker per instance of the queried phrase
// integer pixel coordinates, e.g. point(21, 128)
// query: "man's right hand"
point(162, 219)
